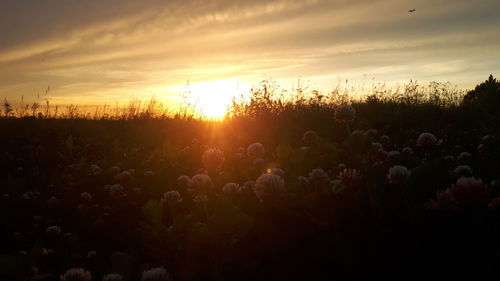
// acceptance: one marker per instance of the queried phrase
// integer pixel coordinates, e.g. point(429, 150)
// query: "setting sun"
point(211, 99)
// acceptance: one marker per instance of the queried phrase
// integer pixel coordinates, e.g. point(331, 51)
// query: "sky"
point(105, 51)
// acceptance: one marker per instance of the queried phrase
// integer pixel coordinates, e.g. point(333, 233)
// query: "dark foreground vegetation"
point(403, 186)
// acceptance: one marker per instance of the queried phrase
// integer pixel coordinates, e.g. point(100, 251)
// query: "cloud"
point(93, 47)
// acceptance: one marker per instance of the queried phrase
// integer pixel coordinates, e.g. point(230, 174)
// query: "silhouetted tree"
point(485, 96)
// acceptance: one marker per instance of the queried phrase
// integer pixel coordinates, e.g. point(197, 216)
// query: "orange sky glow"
point(96, 52)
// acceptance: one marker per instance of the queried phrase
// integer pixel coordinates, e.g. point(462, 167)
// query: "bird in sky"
point(412, 10)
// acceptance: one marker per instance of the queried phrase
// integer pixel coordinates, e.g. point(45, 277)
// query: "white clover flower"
point(116, 189)
point(464, 157)
point(124, 176)
point(318, 175)
point(213, 158)
point(255, 150)
point(310, 137)
point(112, 277)
point(468, 183)
point(269, 184)
point(231, 187)
point(258, 161)
point(345, 113)
point(384, 138)
point(172, 196)
point(393, 154)
point(350, 177)
point(30, 195)
point(200, 182)
point(358, 133)
point(426, 140)
point(85, 197)
point(183, 182)
point(156, 274)
point(279, 172)
point(463, 170)
point(53, 231)
point(398, 174)
point(76, 274)
point(95, 170)
point(91, 254)
point(407, 150)
point(303, 181)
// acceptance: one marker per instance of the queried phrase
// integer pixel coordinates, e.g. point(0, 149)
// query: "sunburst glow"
point(212, 99)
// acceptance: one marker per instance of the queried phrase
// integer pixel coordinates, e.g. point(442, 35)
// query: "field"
point(394, 185)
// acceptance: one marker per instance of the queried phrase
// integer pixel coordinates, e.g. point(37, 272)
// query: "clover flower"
point(213, 158)
point(345, 113)
point(156, 274)
point(231, 187)
point(269, 185)
point(426, 140)
point(76, 274)
point(255, 150)
point(398, 174)
point(172, 196)
point(112, 277)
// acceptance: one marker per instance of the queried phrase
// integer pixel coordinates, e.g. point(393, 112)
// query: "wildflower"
point(468, 191)
point(350, 177)
point(156, 274)
point(30, 195)
point(200, 182)
point(318, 175)
point(112, 277)
point(231, 187)
point(259, 161)
point(444, 201)
point(426, 140)
point(358, 133)
point(172, 196)
point(255, 150)
point(213, 158)
point(85, 197)
point(279, 172)
point(91, 254)
point(393, 154)
point(407, 150)
point(303, 180)
point(463, 170)
point(116, 189)
point(384, 139)
point(124, 176)
point(76, 274)
point(310, 137)
point(464, 157)
point(345, 113)
point(398, 174)
point(53, 231)
point(95, 170)
point(269, 185)
point(183, 182)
